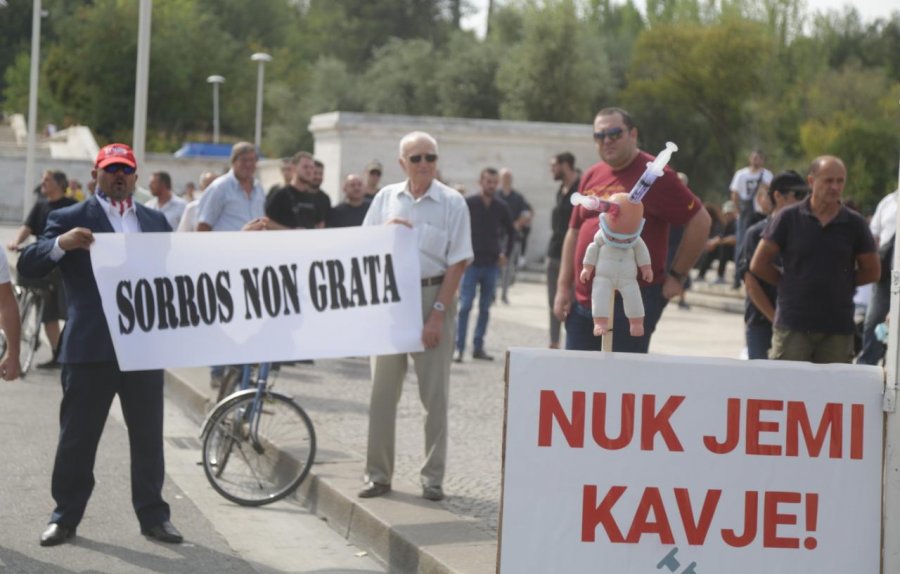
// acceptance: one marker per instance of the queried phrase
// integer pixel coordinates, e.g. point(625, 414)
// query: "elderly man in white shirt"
point(883, 226)
point(441, 217)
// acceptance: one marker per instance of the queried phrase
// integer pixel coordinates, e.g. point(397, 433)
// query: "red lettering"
point(626, 428)
point(550, 411)
point(593, 514)
point(696, 531)
point(857, 414)
point(755, 426)
point(650, 501)
point(653, 423)
point(751, 514)
point(732, 430)
point(798, 421)
point(772, 519)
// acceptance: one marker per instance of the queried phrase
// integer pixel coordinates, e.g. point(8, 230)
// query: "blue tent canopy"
point(198, 149)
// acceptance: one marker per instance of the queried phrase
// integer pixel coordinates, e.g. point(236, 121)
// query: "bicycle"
point(30, 296)
point(258, 445)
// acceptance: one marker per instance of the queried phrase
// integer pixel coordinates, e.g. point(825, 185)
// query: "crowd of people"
point(798, 249)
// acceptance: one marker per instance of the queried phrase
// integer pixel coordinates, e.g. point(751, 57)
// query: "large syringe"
point(654, 170)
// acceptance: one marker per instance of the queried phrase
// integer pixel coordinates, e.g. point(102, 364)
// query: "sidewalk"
point(458, 535)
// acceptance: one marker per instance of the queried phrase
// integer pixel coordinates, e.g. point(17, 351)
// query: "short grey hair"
point(240, 148)
point(413, 137)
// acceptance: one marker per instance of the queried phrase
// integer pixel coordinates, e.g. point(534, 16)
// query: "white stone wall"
point(346, 142)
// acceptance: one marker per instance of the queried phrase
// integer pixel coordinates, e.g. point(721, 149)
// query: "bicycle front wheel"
point(30, 312)
point(255, 453)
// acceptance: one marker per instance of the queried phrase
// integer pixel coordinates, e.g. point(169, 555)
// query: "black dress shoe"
point(480, 354)
point(51, 364)
point(164, 532)
point(373, 489)
point(56, 534)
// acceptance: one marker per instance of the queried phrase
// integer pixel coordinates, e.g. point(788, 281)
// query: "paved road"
point(221, 537)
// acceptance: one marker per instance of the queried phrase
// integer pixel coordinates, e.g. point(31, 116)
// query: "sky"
point(869, 9)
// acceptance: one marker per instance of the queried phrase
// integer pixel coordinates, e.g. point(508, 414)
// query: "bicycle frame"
point(251, 415)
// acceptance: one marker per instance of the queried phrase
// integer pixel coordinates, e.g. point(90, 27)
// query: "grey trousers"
point(432, 368)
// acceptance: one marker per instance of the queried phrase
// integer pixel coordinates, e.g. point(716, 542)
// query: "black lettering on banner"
point(390, 280)
point(372, 263)
point(357, 289)
point(251, 292)
point(319, 293)
point(223, 294)
point(271, 293)
point(289, 288)
point(126, 310)
point(187, 308)
point(206, 298)
point(336, 279)
point(143, 303)
point(165, 296)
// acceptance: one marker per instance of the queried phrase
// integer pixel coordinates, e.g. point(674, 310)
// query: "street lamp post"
point(262, 58)
point(27, 198)
point(215, 81)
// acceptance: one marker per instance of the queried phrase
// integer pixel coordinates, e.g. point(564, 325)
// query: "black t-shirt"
point(752, 315)
point(815, 292)
point(559, 219)
point(37, 217)
point(346, 215)
point(297, 209)
point(489, 223)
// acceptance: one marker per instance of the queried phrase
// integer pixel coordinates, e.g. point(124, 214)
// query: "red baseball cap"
point(115, 153)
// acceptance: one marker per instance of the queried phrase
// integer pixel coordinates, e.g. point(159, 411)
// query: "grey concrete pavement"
point(458, 535)
point(220, 536)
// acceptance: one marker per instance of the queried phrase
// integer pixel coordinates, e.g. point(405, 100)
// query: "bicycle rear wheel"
point(257, 468)
point(31, 308)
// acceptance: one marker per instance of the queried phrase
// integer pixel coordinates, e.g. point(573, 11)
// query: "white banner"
point(649, 464)
point(194, 299)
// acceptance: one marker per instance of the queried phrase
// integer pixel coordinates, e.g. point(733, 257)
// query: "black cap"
point(789, 180)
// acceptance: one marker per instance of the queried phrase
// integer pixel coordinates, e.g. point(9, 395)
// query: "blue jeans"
point(759, 340)
point(580, 325)
point(485, 277)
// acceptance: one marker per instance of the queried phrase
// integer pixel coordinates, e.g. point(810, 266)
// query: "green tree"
point(558, 71)
point(465, 78)
point(400, 79)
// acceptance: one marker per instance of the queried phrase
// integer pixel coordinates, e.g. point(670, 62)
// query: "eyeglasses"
point(613, 134)
point(799, 194)
point(116, 167)
point(375, 171)
point(429, 157)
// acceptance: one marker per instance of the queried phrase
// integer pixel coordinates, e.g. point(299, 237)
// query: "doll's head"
point(625, 220)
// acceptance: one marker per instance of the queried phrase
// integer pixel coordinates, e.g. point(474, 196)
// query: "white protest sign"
point(649, 464)
point(194, 299)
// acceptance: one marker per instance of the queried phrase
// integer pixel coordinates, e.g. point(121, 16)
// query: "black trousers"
point(88, 391)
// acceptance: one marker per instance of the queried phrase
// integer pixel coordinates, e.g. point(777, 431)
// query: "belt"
point(431, 281)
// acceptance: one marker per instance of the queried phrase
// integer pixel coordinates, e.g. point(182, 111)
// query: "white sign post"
point(641, 464)
point(194, 299)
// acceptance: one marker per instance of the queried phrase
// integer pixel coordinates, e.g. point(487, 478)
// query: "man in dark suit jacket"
point(90, 374)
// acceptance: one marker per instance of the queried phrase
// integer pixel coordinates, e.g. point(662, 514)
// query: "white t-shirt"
point(4, 270)
point(745, 183)
point(884, 222)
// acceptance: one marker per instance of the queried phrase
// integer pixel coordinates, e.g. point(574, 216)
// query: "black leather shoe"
point(481, 355)
point(51, 364)
point(56, 534)
point(373, 489)
point(164, 532)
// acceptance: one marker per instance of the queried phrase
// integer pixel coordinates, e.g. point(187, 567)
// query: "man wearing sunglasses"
point(669, 202)
point(786, 189)
point(826, 251)
point(440, 216)
point(90, 374)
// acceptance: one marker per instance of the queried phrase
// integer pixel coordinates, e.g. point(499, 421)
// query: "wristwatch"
point(438, 306)
point(680, 276)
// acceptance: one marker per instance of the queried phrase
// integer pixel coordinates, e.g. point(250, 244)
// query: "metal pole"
point(27, 196)
point(215, 81)
point(140, 84)
point(890, 511)
point(261, 58)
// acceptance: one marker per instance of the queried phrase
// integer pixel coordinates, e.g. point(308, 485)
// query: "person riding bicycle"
point(53, 190)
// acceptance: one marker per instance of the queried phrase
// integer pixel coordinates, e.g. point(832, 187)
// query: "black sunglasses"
point(799, 193)
point(115, 167)
point(613, 134)
point(375, 171)
point(429, 157)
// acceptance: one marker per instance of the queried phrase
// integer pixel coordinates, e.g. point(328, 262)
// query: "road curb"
point(405, 532)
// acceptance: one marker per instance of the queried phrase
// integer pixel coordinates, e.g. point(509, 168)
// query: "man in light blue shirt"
point(235, 199)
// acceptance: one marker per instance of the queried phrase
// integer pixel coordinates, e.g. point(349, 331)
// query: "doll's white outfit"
point(616, 268)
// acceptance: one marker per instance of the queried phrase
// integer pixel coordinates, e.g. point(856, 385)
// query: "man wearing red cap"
point(90, 374)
